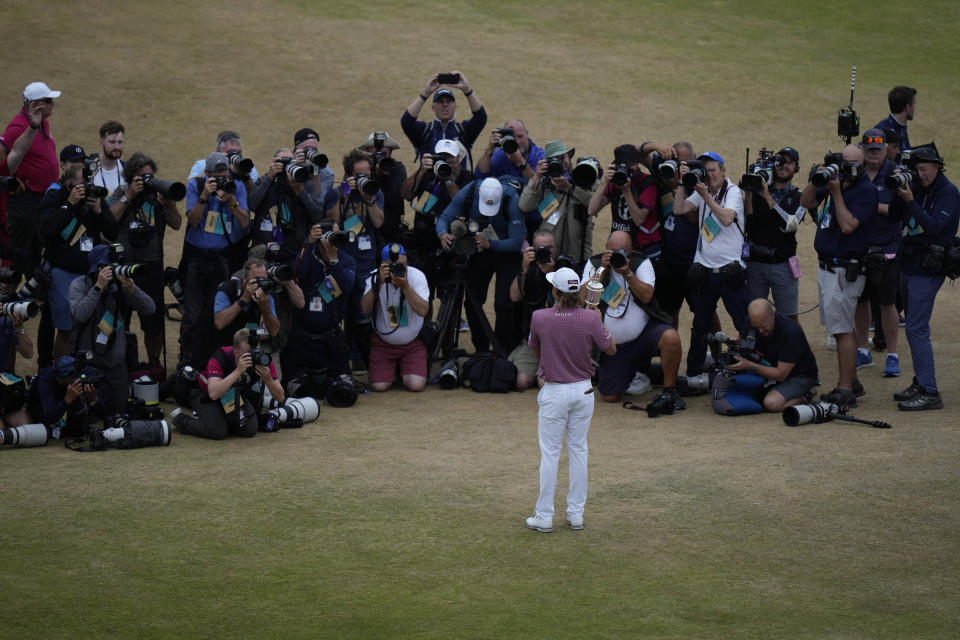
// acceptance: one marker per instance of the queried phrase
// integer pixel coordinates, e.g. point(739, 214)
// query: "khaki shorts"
point(522, 357)
point(838, 299)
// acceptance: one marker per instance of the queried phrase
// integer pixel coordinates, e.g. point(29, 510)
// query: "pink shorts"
point(384, 358)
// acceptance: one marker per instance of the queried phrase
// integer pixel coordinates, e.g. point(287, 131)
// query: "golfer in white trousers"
point(563, 337)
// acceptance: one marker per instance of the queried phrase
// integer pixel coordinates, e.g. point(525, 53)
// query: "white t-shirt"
point(627, 320)
point(390, 297)
point(111, 179)
point(727, 243)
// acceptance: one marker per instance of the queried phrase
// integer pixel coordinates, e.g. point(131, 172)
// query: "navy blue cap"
point(65, 366)
point(443, 92)
point(72, 153)
point(98, 256)
point(793, 153)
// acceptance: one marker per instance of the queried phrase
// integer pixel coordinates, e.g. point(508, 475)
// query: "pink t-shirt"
point(566, 338)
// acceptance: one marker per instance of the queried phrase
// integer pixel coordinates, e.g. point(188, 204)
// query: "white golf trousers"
point(564, 408)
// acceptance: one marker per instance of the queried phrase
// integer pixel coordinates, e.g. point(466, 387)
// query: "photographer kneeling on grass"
point(62, 396)
point(397, 297)
point(225, 401)
point(782, 343)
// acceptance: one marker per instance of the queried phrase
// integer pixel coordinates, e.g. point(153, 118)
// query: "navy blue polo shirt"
point(861, 199)
point(891, 123)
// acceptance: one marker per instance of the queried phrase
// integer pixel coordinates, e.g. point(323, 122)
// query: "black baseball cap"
point(626, 153)
point(304, 134)
point(72, 153)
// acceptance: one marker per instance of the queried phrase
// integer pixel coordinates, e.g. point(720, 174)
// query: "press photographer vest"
point(107, 319)
point(285, 221)
point(765, 226)
point(652, 308)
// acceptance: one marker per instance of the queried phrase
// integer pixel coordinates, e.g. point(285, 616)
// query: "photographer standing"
point(281, 208)
point(494, 207)
point(782, 343)
point(510, 152)
point(717, 270)
point(306, 145)
point(533, 290)
point(773, 214)
point(217, 218)
point(110, 174)
point(430, 189)
point(566, 336)
point(98, 306)
point(143, 215)
point(397, 296)
point(424, 136)
point(390, 175)
point(72, 223)
point(326, 276)
point(902, 101)
point(632, 196)
point(932, 216)
point(553, 203)
point(841, 244)
point(224, 401)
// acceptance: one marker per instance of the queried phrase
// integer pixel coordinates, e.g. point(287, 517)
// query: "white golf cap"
point(39, 91)
point(447, 146)
point(565, 280)
point(490, 192)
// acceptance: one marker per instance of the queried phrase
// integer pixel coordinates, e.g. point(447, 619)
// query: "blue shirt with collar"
point(892, 123)
point(884, 230)
point(831, 242)
point(228, 229)
point(500, 164)
point(508, 222)
point(414, 130)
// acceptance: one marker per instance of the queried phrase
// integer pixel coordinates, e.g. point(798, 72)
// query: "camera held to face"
point(508, 140)
point(555, 166)
point(621, 174)
point(697, 173)
point(338, 239)
point(761, 171)
point(293, 172)
point(366, 185)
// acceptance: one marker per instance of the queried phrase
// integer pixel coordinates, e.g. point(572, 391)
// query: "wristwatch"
point(123, 199)
point(521, 166)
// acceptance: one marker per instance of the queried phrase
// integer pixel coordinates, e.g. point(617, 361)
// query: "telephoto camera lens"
point(621, 174)
point(692, 178)
point(26, 309)
point(555, 167)
point(169, 189)
point(449, 377)
point(586, 172)
point(28, 435)
point(33, 287)
point(825, 175)
point(297, 173)
point(442, 170)
point(302, 410)
point(366, 185)
point(135, 434)
point(126, 270)
point(312, 155)
point(898, 181)
point(806, 413)
point(668, 169)
point(619, 259)
point(94, 191)
point(339, 239)
point(398, 269)
point(281, 272)
point(239, 164)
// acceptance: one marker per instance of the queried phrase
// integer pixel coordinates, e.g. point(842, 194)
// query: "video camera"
point(761, 171)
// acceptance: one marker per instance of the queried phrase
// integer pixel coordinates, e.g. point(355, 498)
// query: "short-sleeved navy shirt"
point(884, 231)
point(788, 343)
point(861, 199)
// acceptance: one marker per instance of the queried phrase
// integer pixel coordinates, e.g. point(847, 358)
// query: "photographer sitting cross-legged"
point(225, 402)
point(782, 343)
point(626, 306)
point(98, 303)
point(397, 297)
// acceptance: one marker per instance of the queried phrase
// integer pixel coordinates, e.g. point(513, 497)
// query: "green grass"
point(402, 517)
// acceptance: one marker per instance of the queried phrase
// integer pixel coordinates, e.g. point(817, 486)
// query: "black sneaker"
point(840, 397)
point(921, 402)
point(858, 389)
point(910, 392)
point(679, 403)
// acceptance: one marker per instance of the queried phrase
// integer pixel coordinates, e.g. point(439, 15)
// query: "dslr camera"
point(508, 140)
point(257, 355)
point(761, 171)
point(169, 189)
point(293, 172)
point(464, 233)
point(90, 167)
point(697, 173)
point(115, 255)
point(621, 174)
point(238, 164)
point(337, 238)
point(366, 185)
point(555, 166)
point(379, 158)
point(834, 165)
point(745, 347)
point(396, 268)
point(312, 155)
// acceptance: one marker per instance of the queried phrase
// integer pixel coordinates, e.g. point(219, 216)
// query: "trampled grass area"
point(402, 517)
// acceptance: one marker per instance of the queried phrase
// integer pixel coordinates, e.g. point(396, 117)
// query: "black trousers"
point(482, 268)
point(213, 423)
point(201, 272)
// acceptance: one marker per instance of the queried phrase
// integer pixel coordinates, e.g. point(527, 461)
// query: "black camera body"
point(745, 347)
point(621, 174)
point(508, 140)
point(555, 166)
point(94, 191)
point(260, 358)
point(619, 259)
point(543, 254)
point(169, 189)
point(226, 185)
point(848, 123)
point(312, 155)
point(9, 184)
point(697, 173)
point(238, 164)
point(269, 286)
point(338, 239)
point(398, 269)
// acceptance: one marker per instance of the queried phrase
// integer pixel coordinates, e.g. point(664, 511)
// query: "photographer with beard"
point(717, 272)
point(397, 296)
point(99, 301)
point(841, 244)
point(281, 208)
point(110, 175)
point(930, 208)
point(773, 214)
point(72, 224)
point(144, 215)
point(225, 401)
point(430, 189)
point(553, 203)
point(533, 290)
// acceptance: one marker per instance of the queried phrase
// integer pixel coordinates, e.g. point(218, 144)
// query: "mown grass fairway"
point(403, 516)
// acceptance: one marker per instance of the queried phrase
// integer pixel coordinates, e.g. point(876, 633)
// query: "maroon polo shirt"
point(40, 166)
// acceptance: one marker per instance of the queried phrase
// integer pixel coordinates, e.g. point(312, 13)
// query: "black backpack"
point(489, 373)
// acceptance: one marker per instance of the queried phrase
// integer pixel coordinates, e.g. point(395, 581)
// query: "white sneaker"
point(575, 522)
point(832, 342)
point(639, 384)
point(539, 524)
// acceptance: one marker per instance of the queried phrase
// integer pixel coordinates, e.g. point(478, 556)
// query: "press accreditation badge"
point(669, 223)
point(86, 243)
point(363, 243)
point(710, 228)
point(266, 225)
point(548, 205)
point(316, 303)
point(615, 295)
point(212, 222)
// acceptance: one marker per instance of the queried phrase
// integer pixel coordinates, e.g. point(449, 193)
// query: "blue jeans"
point(918, 294)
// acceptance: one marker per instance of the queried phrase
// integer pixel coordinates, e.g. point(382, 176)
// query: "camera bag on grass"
point(489, 373)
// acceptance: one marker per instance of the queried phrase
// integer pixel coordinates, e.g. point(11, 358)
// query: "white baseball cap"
point(490, 192)
point(39, 91)
point(447, 146)
point(565, 280)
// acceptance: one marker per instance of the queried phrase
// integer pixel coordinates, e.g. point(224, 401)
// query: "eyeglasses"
point(873, 140)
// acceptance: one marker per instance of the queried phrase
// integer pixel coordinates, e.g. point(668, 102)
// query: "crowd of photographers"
point(292, 282)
